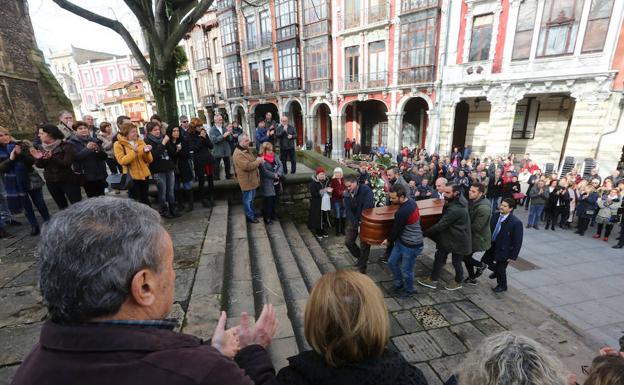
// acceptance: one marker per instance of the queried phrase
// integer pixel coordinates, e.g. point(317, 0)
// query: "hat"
point(338, 169)
point(319, 170)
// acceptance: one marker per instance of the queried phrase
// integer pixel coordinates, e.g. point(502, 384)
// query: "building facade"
point(184, 95)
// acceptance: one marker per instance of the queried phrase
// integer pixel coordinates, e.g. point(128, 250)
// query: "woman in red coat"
point(338, 188)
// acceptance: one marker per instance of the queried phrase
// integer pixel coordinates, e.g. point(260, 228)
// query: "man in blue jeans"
point(408, 241)
point(246, 168)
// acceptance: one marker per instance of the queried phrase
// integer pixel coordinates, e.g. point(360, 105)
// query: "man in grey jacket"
point(480, 214)
point(287, 135)
point(220, 138)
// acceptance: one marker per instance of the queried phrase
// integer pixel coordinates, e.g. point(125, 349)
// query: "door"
point(460, 125)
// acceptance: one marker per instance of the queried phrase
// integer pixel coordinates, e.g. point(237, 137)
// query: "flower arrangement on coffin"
point(357, 158)
point(384, 160)
point(378, 183)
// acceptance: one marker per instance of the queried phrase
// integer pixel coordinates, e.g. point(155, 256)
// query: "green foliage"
point(385, 161)
point(180, 58)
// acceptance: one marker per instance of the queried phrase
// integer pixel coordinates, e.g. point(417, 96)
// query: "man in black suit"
point(287, 135)
point(506, 243)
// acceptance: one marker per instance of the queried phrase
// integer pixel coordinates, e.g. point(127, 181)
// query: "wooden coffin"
point(377, 222)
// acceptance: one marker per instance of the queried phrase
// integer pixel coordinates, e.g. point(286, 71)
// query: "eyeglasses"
point(185, 121)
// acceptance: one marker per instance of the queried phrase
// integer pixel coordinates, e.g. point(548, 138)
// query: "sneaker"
point(606, 239)
point(470, 281)
point(384, 259)
point(536, 227)
point(596, 236)
point(427, 282)
point(480, 270)
point(453, 286)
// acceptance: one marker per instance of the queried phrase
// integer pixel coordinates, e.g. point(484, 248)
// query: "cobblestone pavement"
point(434, 329)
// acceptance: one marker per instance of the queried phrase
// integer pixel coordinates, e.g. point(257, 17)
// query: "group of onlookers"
point(117, 331)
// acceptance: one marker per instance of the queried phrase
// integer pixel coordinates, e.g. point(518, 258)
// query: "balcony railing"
point(417, 5)
point(235, 92)
point(315, 29)
point(231, 49)
point(352, 82)
point(377, 13)
point(351, 20)
point(225, 4)
point(266, 39)
point(287, 32)
point(257, 42)
point(202, 64)
point(375, 79)
point(420, 74)
point(250, 44)
point(269, 87)
point(289, 84)
point(208, 100)
point(319, 85)
point(253, 89)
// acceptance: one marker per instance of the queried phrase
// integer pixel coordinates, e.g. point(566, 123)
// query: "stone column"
point(338, 136)
point(309, 130)
point(445, 127)
point(502, 113)
point(432, 139)
point(252, 126)
point(394, 131)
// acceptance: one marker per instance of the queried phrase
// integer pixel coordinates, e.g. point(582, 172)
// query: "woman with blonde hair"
point(506, 358)
point(346, 323)
point(134, 156)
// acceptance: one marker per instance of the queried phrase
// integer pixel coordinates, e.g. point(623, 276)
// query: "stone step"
point(237, 278)
point(308, 267)
point(321, 259)
point(268, 290)
point(294, 282)
point(205, 301)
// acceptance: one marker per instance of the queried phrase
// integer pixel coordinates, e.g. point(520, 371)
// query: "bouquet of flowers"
point(384, 160)
point(378, 183)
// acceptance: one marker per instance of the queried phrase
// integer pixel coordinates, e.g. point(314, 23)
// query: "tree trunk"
point(163, 87)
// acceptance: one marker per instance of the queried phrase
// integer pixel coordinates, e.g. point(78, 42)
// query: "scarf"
point(49, 147)
point(157, 139)
point(269, 157)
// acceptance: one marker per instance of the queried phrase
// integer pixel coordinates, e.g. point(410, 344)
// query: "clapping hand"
point(92, 146)
point(16, 151)
point(147, 148)
point(225, 341)
point(36, 153)
point(165, 140)
point(261, 333)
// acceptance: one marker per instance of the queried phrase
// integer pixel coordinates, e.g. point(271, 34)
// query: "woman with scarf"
point(270, 173)
point(320, 204)
point(134, 156)
point(105, 135)
point(162, 168)
point(89, 160)
point(179, 150)
point(203, 162)
point(16, 167)
point(56, 156)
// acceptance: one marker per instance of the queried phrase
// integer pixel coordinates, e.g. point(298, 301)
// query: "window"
point(314, 11)
point(267, 74)
point(215, 45)
point(98, 77)
point(265, 28)
point(254, 77)
point(417, 47)
point(124, 73)
point(285, 13)
point(597, 25)
point(233, 74)
point(90, 99)
point(352, 13)
point(187, 86)
point(179, 85)
point(481, 38)
point(87, 78)
point(228, 35)
point(183, 109)
point(111, 75)
point(219, 81)
point(317, 59)
point(352, 66)
point(525, 120)
point(288, 62)
point(376, 64)
point(559, 27)
point(524, 30)
point(250, 27)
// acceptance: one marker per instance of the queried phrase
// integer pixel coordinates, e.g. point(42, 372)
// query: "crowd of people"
point(78, 158)
point(117, 331)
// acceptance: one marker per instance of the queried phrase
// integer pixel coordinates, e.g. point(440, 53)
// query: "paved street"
point(564, 292)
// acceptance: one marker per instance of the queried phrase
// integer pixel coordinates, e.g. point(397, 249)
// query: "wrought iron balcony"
point(377, 13)
point(225, 4)
point(257, 42)
point(376, 79)
point(315, 29)
point(235, 92)
point(287, 32)
point(231, 49)
point(269, 87)
point(288, 84)
point(414, 75)
point(202, 64)
point(208, 100)
point(319, 86)
point(352, 82)
point(253, 89)
point(266, 39)
point(408, 6)
point(351, 20)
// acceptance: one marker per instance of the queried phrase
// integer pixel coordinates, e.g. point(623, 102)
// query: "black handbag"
point(120, 181)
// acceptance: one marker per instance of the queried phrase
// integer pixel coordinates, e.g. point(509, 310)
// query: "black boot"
point(189, 200)
point(180, 199)
point(173, 212)
point(342, 226)
point(338, 223)
point(35, 230)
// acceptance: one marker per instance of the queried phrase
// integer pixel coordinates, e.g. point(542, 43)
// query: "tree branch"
point(176, 34)
point(143, 14)
point(108, 23)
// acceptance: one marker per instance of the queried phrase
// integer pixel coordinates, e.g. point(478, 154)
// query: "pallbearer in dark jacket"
point(480, 215)
point(287, 135)
point(507, 234)
point(357, 198)
point(407, 237)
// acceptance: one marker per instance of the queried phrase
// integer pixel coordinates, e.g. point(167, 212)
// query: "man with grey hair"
point(91, 124)
point(66, 121)
point(184, 125)
point(107, 279)
point(246, 168)
point(220, 138)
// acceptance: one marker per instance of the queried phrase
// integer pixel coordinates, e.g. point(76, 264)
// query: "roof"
point(82, 55)
point(110, 100)
point(118, 85)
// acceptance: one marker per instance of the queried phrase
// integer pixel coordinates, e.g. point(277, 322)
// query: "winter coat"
point(236, 132)
point(558, 201)
point(90, 164)
point(309, 368)
point(262, 136)
point(537, 198)
point(67, 131)
point(587, 205)
point(354, 205)
point(121, 354)
point(452, 232)
point(401, 181)
point(267, 177)
point(107, 145)
point(135, 162)
point(58, 168)
point(200, 148)
point(339, 188)
point(162, 155)
point(221, 144)
point(480, 215)
point(607, 208)
point(509, 239)
point(246, 168)
point(15, 175)
point(495, 188)
point(317, 190)
point(181, 159)
point(282, 133)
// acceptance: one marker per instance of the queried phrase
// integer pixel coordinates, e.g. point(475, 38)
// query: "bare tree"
point(163, 23)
